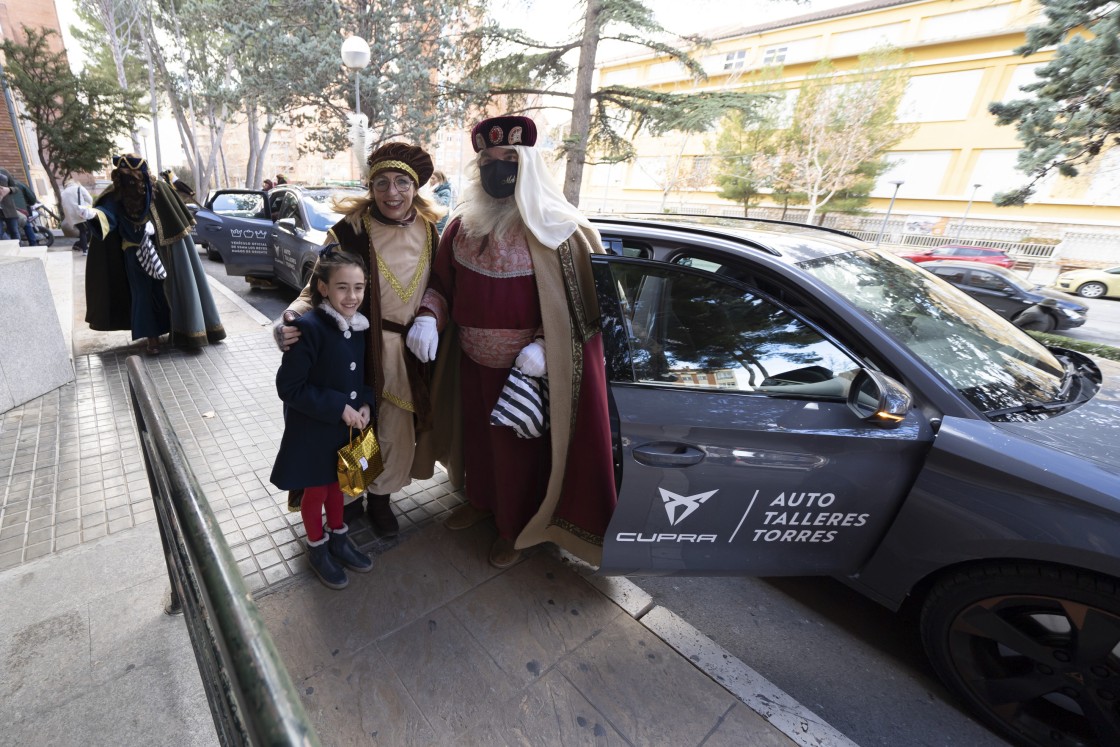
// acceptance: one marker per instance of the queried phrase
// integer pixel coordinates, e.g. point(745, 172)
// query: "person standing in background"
point(75, 196)
point(8, 205)
point(441, 190)
point(24, 199)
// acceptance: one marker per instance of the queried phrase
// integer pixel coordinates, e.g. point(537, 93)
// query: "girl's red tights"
point(312, 509)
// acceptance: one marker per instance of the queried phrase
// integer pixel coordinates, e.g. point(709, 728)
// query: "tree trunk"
point(186, 134)
point(581, 103)
point(251, 165)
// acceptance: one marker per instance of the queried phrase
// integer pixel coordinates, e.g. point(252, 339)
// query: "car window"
point(320, 208)
point(952, 274)
point(289, 207)
point(239, 205)
point(625, 247)
point(988, 281)
point(983, 356)
point(275, 200)
point(694, 330)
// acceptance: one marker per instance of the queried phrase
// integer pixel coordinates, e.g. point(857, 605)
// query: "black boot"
point(344, 551)
point(381, 515)
point(353, 510)
point(325, 566)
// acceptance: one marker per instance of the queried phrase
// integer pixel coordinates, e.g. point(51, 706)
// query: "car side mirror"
point(878, 399)
point(289, 224)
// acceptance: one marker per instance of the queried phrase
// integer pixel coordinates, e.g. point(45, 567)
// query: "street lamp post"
point(964, 219)
point(890, 207)
point(355, 55)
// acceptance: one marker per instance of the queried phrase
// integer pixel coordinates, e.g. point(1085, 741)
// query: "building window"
point(774, 56)
point(920, 171)
point(735, 60)
point(975, 22)
point(941, 97)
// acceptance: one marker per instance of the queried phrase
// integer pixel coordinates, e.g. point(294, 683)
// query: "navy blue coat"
point(318, 377)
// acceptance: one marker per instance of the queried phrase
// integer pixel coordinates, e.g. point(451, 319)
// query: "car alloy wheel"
point(1035, 650)
point(1091, 289)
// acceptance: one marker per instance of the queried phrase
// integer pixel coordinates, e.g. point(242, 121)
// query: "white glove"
point(86, 212)
point(149, 229)
point(423, 338)
point(37, 206)
point(530, 361)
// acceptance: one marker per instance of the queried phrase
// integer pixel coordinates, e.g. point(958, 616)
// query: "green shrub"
point(1082, 346)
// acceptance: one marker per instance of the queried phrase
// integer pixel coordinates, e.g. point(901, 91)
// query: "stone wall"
point(34, 357)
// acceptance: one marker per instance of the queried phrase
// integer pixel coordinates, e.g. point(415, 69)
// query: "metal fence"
point(867, 228)
point(252, 697)
point(914, 242)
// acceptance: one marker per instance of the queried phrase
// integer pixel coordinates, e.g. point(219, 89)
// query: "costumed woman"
point(393, 227)
point(120, 293)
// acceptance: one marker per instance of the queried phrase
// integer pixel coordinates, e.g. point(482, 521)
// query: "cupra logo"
point(679, 507)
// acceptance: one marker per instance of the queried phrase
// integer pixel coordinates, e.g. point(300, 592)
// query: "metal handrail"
point(252, 697)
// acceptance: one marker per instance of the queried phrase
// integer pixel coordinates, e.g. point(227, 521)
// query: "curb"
point(755, 691)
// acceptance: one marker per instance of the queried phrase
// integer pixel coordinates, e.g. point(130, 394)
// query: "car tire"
point(213, 254)
point(1092, 289)
point(305, 276)
point(1031, 649)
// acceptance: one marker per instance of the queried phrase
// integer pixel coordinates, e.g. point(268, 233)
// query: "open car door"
point(236, 223)
point(738, 451)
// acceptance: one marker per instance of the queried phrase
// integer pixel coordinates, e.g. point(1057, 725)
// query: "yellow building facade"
point(959, 59)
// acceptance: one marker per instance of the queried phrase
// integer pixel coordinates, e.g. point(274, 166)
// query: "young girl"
point(321, 385)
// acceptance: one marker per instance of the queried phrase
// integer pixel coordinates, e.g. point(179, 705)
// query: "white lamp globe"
point(355, 52)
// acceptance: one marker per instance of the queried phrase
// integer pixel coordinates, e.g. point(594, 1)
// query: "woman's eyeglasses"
point(402, 183)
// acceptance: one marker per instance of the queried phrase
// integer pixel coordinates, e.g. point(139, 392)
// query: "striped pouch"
point(522, 405)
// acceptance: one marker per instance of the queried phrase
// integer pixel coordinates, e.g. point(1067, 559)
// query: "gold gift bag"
point(359, 462)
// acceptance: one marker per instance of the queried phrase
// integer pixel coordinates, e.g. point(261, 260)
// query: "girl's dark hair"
point(330, 259)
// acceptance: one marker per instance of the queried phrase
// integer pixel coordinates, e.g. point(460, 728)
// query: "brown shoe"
point(465, 516)
point(503, 554)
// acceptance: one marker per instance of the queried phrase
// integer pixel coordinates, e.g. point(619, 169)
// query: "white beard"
point(483, 215)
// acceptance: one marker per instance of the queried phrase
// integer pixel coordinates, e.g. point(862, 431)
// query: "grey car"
point(269, 236)
point(1025, 304)
point(787, 400)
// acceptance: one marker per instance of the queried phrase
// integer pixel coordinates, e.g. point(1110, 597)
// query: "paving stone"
point(626, 668)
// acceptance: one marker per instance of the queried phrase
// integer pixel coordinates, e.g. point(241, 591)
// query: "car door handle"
point(665, 454)
point(213, 228)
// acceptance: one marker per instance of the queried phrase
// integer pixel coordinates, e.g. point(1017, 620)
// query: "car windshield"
point(320, 207)
point(993, 364)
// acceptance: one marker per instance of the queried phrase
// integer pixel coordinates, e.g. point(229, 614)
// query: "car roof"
point(971, 246)
point(791, 242)
point(978, 267)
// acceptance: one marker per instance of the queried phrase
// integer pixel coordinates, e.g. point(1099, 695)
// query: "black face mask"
point(498, 178)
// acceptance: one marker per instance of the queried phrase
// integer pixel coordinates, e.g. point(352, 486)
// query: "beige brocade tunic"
point(404, 262)
point(403, 268)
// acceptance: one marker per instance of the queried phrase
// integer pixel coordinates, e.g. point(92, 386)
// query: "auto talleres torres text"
point(789, 517)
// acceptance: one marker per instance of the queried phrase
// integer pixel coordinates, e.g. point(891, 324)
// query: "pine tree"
point(1074, 114)
point(76, 118)
point(605, 120)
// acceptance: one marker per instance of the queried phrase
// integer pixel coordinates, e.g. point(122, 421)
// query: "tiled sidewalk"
point(71, 469)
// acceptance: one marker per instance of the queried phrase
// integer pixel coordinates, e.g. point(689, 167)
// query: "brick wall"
point(14, 15)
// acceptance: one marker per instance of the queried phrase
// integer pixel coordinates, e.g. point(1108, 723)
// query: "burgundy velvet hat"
point(409, 159)
point(496, 131)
